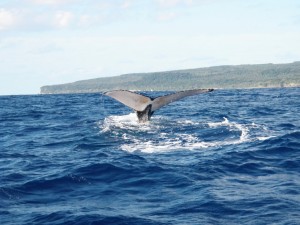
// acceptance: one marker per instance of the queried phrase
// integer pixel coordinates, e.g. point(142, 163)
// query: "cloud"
point(168, 3)
point(85, 20)
point(173, 3)
point(166, 16)
point(8, 19)
point(50, 2)
point(63, 19)
point(126, 4)
point(47, 48)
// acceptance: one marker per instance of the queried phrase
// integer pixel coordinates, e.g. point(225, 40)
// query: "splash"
point(125, 122)
point(162, 134)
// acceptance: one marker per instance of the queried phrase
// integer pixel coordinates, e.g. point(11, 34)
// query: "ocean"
point(225, 157)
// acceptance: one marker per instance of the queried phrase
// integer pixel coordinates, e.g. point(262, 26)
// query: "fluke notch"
point(145, 106)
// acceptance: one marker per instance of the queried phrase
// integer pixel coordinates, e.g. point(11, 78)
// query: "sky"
point(45, 42)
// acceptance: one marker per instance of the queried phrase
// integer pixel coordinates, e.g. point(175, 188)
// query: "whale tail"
point(145, 106)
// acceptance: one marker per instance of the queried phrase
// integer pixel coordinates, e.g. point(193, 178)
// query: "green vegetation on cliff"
point(241, 76)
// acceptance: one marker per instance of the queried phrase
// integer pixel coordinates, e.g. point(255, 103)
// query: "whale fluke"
point(145, 106)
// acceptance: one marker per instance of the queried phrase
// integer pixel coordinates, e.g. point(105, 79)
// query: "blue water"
point(226, 157)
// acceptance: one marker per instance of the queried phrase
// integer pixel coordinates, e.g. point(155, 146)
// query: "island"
point(225, 77)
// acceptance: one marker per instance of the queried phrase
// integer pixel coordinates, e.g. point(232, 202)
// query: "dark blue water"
point(227, 157)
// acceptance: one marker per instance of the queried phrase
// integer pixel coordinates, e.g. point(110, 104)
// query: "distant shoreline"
point(38, 94)
point(218, 77)
point(65, 93)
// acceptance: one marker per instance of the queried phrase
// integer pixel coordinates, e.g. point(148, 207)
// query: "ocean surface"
point(225, 157)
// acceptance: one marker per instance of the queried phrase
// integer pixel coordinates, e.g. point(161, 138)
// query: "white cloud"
point(88, 20)
point(85, 20)
point(126, 4)
point(167, 16)
point(168, 3)
point(172, 3)
point(7, 19)
point(50, 2)
point(63, 19)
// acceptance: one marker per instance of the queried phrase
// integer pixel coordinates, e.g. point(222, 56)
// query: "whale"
point(145, 106)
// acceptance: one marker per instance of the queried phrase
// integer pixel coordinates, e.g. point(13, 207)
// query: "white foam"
point(164, 143)
point(243, 128)
point(263, 138)
point(159, 135)
point(216, 124)
point(128, 122)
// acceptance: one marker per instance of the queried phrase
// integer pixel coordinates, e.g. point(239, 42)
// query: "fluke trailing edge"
point(145, 106)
